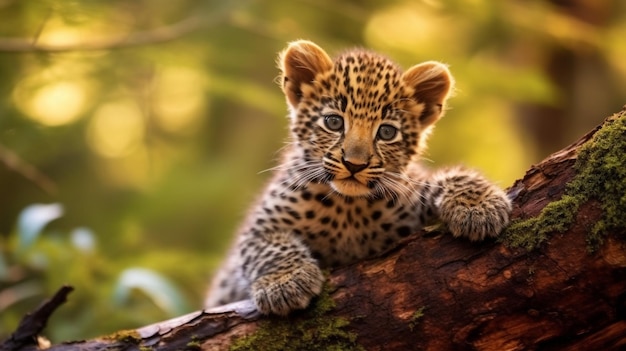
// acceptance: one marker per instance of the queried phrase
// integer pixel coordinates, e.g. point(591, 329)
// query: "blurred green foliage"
point(149, 121)
point(35, 262)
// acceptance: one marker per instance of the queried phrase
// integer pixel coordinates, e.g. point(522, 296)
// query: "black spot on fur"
point(325, 200)
point(344, 102)
point(403, 231)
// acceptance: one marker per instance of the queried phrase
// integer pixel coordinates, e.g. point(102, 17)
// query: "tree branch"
point(13, 162)
point(149, 37)
point(33, 323)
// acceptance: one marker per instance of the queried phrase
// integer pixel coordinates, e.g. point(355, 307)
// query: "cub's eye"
point(387, 132)
point(334, 123)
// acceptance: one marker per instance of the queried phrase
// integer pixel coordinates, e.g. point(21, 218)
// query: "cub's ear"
point(300, 63)
point(432, 83)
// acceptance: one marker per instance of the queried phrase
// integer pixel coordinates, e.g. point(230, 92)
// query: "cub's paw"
point(472, 207)
point(282, 292)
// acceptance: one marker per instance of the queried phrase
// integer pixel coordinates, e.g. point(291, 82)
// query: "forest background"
point(133, 135)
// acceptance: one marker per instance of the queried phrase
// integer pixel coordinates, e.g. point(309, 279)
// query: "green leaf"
point(32, 220)
point(159, 289)
point(83, 239)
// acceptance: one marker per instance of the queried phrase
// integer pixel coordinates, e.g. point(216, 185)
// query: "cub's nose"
point(352, 167)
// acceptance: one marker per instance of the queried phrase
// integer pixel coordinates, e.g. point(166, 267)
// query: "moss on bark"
point(314, 330)
point(600, 176)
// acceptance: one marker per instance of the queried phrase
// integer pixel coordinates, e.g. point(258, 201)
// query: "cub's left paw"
point(472, 207)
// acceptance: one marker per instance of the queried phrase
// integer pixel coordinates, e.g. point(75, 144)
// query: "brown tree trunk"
point(439, 293)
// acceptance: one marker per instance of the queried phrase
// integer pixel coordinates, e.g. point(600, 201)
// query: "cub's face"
point(359, 120)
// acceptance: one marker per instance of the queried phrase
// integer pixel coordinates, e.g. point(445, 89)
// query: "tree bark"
point(435, 292)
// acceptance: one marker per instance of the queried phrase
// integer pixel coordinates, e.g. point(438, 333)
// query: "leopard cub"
point(349, 184)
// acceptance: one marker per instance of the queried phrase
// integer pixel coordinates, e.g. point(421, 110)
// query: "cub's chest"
point(338, 229)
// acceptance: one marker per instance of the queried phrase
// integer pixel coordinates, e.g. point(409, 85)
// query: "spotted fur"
point(349, 185)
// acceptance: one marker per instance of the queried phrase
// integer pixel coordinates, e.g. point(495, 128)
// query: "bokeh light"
point(179, 98)
point(116, 129)
point(53, 104)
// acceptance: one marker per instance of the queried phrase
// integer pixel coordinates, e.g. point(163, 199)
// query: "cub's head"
point(359, 120)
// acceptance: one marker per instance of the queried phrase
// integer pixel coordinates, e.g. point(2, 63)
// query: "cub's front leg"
point(469, 204)
point(283, 275)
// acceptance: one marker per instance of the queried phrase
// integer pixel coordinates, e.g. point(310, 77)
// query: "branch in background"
point(33, 323)
point(42, 25)
point(153, 36)
point(28, 171)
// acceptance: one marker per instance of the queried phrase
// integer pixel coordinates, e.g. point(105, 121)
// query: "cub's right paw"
point(282, 292)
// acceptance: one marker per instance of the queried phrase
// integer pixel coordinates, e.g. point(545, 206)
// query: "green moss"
point(315, 330)
point(601, 176)
point(557, 216)
point(193, 345)
point(125, 336)
point(417, 315)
